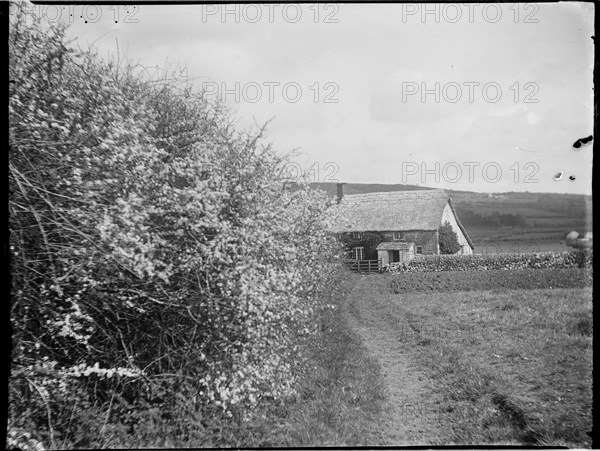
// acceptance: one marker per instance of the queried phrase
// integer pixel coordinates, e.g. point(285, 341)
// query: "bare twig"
point(48, 412)
point(106, 418)
point(38, 220)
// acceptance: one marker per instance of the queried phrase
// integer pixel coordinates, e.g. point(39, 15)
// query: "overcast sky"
point(384, 91)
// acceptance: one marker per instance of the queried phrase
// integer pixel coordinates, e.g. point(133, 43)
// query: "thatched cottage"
point(396, 226)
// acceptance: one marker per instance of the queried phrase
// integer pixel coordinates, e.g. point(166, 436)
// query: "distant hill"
point(364, 188)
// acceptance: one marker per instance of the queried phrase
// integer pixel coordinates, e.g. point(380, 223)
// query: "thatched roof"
point(394, 211)
point(395, 246)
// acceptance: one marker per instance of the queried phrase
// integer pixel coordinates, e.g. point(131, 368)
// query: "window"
point(419, 250)
point(356, 235)
point(357, 253)
point(399, 236)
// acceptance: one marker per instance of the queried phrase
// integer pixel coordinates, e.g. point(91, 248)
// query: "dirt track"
point(409, 420)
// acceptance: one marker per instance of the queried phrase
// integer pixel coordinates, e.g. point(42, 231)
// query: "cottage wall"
point(427, 239)
point(448, 215)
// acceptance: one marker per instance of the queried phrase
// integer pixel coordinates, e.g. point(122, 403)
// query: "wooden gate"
point(364, 265)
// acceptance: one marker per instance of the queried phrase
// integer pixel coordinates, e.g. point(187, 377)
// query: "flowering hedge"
point(482, 262)
point(161, 267)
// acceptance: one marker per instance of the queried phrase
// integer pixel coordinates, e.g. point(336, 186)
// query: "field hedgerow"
point(163, 271)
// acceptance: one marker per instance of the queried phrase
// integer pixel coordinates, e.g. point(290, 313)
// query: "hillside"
point(364, 188)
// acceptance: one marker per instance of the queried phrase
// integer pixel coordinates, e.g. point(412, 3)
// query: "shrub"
point(447, 239)
point(162, 271)
point(368, 241)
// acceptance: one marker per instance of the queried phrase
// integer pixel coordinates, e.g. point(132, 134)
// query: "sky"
point(477, 97)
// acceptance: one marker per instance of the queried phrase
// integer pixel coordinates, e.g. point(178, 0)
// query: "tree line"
point(496, 219)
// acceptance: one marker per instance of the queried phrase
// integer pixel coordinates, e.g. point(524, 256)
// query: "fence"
point(364, 265)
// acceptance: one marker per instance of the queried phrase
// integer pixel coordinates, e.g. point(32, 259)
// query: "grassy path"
point(409, 418)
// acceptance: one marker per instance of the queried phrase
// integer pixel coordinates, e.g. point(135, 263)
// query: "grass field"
point(441, 366)
point(497, 280)
point(508, 366)
point(518, 240)
point(523, 246)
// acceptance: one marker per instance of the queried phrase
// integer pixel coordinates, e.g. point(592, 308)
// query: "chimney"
point(340, 192)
